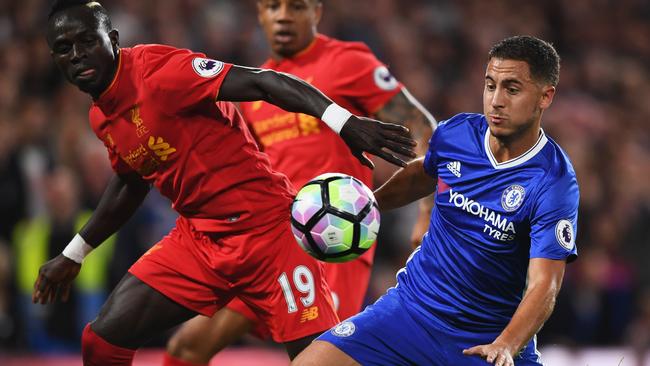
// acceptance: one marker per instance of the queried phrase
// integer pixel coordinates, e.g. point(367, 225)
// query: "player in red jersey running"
point(161, 113)
point(302, 147)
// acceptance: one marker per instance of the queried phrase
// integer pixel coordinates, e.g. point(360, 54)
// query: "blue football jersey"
point(489, 219)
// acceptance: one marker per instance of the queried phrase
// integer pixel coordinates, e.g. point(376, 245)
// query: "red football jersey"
point(159, 117)
point(302, 146)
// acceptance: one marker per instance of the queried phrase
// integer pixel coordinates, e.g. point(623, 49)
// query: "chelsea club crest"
point(512, 197)
point(344, 329)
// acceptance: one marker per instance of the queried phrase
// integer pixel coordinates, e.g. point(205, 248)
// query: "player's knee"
point(177, 345)
point(182, 347)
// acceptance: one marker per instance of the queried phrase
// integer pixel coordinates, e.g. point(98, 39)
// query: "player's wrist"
point(77, 249)
point(335, 117)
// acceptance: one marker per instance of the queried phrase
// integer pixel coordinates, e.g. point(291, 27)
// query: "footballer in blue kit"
point(489, 269)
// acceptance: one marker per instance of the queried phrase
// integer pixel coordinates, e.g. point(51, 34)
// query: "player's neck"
point(508, 148)
point(277, 57)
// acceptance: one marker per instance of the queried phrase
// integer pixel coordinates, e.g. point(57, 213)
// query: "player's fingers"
point(390, 158)
point(53, 293)
point(491, 356)
point(476, 350)
point(401, 139)
point(500, 360)
point(41, 289)
point(364, 160)
point(36, 293)
point(43, 294)
point(37, 282)
point(65, 292)
point(397, 128)
point(400, 149)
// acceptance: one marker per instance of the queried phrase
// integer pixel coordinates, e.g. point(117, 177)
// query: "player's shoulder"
point(345, 51)
point(558, 164)
point(158, 60)
point(463, 121)
point(334, 44)
point(146, 53)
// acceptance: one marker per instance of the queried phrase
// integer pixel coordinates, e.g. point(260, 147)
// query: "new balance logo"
point(454, 167)
point(309, 314)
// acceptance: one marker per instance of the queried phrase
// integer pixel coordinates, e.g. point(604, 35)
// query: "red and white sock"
point(97, 352)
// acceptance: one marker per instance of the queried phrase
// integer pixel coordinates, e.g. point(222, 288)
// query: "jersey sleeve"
point(431, 158)
point(364, 80)
point(554, 221)
point(184, 80)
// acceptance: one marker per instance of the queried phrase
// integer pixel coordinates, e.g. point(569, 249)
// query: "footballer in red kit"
point(163, 116)
point(302, 147)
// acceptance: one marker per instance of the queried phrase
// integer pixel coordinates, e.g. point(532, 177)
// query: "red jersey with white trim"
point(160, 118)
point(302, 146)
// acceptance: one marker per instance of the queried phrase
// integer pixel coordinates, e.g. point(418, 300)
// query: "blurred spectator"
point(49, 328)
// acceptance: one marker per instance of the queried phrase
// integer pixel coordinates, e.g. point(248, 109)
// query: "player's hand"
point(378, 138)
point(495, 353)
point(55, 279)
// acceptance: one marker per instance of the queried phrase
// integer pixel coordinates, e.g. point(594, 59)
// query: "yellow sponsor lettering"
point(160, 147)
point(256, 105)
point(278, 136)
point(275, 122)
point(134, 155)
point(308, 124)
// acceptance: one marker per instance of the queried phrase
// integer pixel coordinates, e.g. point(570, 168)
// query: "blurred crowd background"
point(53, 169)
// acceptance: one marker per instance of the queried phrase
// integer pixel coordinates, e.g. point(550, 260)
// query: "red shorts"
point(264, 268)
point(348, 283)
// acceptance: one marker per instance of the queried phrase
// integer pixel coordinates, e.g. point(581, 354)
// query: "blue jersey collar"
point(539, 145)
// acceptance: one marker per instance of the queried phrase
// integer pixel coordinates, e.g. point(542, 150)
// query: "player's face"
point(289, 25)
point(84, 51)
point(512, 101)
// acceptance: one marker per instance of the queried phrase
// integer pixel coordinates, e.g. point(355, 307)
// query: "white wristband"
point(335, 117)
point(78, 249)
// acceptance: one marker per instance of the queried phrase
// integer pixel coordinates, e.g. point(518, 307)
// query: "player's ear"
point(318, 11)
point(260, 10)
point(114, 36)
point(548, 92)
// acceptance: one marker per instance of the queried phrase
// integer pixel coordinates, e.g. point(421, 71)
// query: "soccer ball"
point(335, 217)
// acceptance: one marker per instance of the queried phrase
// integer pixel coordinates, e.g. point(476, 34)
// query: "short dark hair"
point(98, 10)
point(543, 60)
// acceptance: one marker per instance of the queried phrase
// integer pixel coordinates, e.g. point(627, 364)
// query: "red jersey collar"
point(110, 93)
point(307, 52)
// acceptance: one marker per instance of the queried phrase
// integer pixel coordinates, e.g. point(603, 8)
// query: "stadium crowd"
point(53, 169)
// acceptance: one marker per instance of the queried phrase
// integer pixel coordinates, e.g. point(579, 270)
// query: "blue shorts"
point(385, 333)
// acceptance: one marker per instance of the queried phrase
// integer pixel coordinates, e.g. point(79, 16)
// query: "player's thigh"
point(135, 312)
point(257, 326)
point(203, 337)
point(348, 283)
point(321, 353)
point(188, 268)
point(286, 287)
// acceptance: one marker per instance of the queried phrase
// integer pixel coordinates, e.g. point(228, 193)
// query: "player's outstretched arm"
point(404, 109)
point(407, 185)
point(544, 282)
point(384, 140)
point(122, 197)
